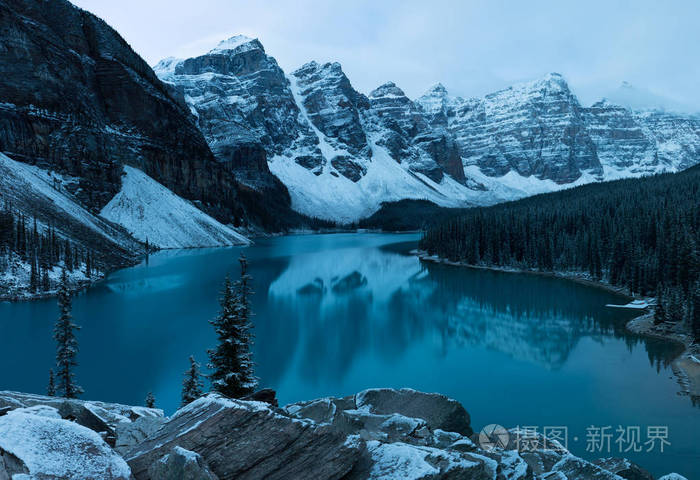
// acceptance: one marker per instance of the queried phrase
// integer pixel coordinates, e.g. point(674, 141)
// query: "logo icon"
point(493, 436)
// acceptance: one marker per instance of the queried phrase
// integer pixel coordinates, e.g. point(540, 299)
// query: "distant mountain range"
point(341, 153)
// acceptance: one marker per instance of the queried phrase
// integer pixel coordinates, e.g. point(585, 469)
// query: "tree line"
point(231, 361)
point(43, 249)
point(640, 234)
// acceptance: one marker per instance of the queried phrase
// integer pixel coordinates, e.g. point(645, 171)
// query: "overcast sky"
point(472, 47)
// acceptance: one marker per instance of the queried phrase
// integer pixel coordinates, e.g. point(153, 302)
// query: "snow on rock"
point(232, 43)
point(152, 212)
point(411, 462)
point(54, 448)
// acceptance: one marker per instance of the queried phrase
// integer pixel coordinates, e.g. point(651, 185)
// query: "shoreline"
point(685, 367)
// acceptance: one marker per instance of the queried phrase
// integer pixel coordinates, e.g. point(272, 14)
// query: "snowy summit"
point(232, 43)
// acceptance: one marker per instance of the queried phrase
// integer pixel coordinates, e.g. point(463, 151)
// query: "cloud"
point(473, 47)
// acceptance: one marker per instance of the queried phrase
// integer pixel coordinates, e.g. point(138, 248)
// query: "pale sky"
point(472, 47)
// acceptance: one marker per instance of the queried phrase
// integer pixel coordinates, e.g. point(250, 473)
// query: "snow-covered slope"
point(153, 213)
point(44, 196)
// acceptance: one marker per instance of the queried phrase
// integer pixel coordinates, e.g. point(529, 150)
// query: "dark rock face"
point(10, 466)
point(228, 433)
point(403, 130)
point(335, 109)
point(244, 107)
point(181, 464)
point(77, 99)
point(333, 105)
point(438, 411)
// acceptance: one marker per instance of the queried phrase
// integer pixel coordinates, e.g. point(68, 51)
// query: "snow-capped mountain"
point(243, 105)
point(539, 131)
point(341, 153)
point(533, 129)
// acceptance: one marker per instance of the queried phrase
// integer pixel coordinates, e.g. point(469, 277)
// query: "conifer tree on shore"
point(150, 400)
point(192, 385)
point(51, 389)
point(66, 343)
point(231, 360)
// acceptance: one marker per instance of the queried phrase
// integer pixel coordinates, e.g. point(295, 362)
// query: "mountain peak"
point(238, 43)
point(555, 78)
point(437, 90)
point(388, 89)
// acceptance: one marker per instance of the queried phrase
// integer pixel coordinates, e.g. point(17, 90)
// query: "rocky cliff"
point(539, 130)
point(533, 129)
point(375, 434)
point(78, 100)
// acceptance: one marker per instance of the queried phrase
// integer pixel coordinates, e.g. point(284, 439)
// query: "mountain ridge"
point(529, 138)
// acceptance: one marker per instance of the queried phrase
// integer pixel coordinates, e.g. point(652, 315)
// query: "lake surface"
point(336, 314)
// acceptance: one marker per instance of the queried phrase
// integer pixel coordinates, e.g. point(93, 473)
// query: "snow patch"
point(233, 43)
point(54, 448)
point(152, 212)
point(409, 462)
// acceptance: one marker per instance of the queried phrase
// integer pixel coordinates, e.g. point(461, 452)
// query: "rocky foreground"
point(375, 434)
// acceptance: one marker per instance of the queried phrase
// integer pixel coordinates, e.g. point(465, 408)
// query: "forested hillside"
point(642, 234)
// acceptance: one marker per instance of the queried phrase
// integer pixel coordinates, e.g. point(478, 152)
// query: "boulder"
point(624, 468)
point(266, 395)
point(438, 411)
point(10, 466)
point(575, 468)
point(181, 464)
point(103, 418)
point(36, 441)
point(248, 440)
point(130, 434)
point(387, 461)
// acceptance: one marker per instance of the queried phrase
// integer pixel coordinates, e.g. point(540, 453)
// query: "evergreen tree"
point(68, 257)
point(45, 282)
point(66, 343)
point(192, 385)
point(150, 400)
point(34, 274)
point(660, 310)
point(695, 311)
point(88, 265)
point(231, 360)
point(51, 389)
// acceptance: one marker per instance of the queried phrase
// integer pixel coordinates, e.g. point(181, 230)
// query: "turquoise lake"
point(336, 314)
